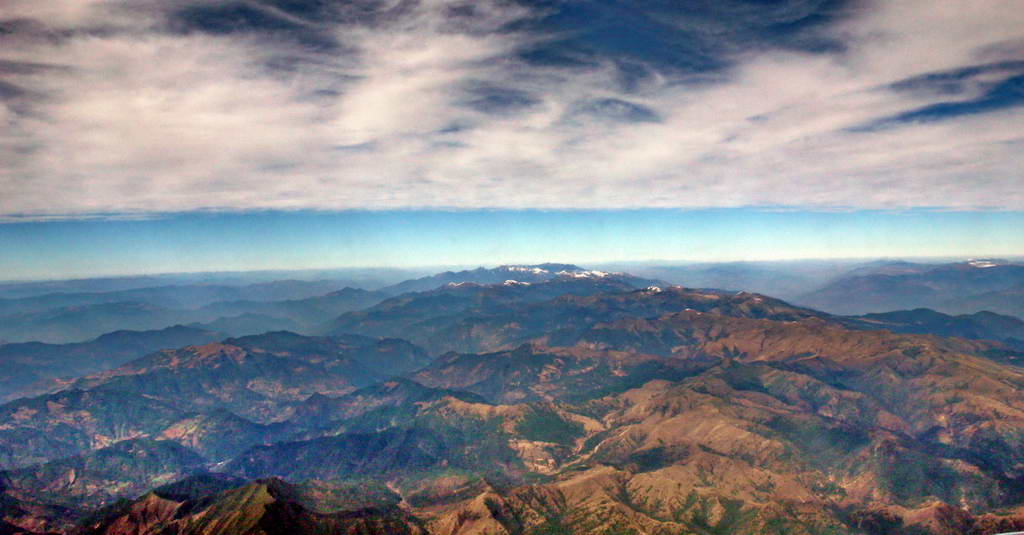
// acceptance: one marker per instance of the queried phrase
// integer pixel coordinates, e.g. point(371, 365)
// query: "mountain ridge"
point(529, 273)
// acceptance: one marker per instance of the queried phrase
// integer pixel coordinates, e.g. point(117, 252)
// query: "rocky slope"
point(266, 507)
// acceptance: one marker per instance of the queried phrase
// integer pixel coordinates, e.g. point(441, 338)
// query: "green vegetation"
point(334, 496)
point(548, 426)
point(819, 444)
point(912, 476)
point(197, 486)
point(745, 378)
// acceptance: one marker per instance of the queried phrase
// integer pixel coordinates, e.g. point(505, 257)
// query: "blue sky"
point(875, 127)
point(297, 240)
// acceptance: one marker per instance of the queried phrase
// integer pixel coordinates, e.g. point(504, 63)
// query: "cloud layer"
point(109, 107)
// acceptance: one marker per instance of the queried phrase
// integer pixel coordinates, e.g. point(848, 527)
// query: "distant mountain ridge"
point(27, 365)
point(307, 314)
point(172, 296)
point(500, 274)
point(987, 284)
point(978, 326)
point(69, 323)
point(782, 279)
point(955, 288)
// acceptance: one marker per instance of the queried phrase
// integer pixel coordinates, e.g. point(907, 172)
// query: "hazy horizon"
point(326, 273)
point(310, 240)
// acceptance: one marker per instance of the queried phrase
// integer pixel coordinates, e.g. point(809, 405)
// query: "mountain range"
point(577, 402)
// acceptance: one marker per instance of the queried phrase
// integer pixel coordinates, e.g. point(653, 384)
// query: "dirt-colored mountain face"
point(658, 412)
point(268, 507)
point(538, 373)
point(744, 447)
point(84, 482)
point(931, 384)
point(68, 423)
point(796, 412)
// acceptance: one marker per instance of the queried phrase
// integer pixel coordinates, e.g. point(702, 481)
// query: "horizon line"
point(448, 267)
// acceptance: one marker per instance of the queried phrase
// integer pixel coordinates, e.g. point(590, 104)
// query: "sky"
point(397, 132)
point(274, 240)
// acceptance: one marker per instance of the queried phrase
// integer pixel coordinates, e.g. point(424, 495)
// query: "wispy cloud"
point(178, 106)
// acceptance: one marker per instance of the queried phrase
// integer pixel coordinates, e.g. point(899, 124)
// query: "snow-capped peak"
point(525, 269)
point(511, 282)
point(981, 263)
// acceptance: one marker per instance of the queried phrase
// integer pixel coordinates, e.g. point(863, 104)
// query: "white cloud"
point(143, 121)
point(60, 14)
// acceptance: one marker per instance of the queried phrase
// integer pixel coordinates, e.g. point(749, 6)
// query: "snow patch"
point(590, 274)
